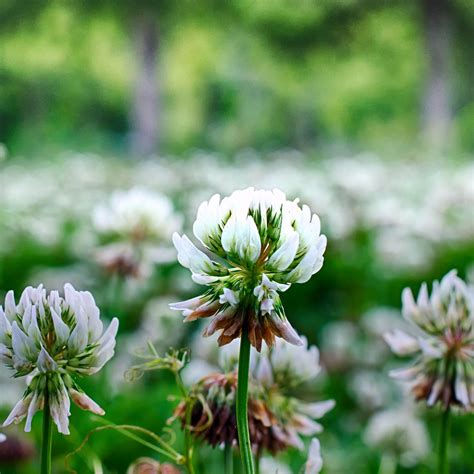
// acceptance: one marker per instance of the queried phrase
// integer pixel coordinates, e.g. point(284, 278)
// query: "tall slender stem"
point(229, 460)
point(388, 464)
point(257, 463)
point(443, 464)
point(242, 403)
point(47, 441)
point(188, 443)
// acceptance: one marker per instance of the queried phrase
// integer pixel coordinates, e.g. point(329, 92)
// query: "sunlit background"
point(362, 109)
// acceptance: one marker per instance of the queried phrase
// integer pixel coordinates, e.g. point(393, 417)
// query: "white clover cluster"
point(293, 365)
point(272, 369)
point(256, 244)
point(421, 206)
point(442, 341)
point(400, 433)
point(53, 340)
point(137, 215)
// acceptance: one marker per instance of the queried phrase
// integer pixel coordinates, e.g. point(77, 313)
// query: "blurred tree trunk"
point(146, 102)
point(437, 105)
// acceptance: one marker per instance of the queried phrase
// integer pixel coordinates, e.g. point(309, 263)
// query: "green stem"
point(257, 463)
point(188, 442)
point(388, 464)
point(47, 441)
point(229, 459)
point(242, 403)
point(443, 464)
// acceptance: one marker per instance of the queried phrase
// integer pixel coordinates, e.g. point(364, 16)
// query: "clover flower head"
point(53, 340)
point(134, 229)
point(136, 215)
point(255, 245)
point(293, 365)
point(277, 419)
point(443, 343)
point(400, 433)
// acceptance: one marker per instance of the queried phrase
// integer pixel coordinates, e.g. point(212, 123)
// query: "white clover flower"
point(257, 243)
point(53, 340)
point(443, 343)
point(279, 370)
point(269, 465)
point(136, 227)
point(400, 433)
point(137, 215)
point(2, 438)
point(314, 464)
point(292, 365)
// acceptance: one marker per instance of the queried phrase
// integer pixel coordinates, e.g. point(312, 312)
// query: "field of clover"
point(328, 310)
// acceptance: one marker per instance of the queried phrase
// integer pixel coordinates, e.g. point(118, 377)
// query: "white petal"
point(435, 392)
point(85, 402)
point(191, 304)
point(191, 257)
point(60, 328)
point(405, 373)
point(314, 464)
point(317, 409)
point(310, 264)
point(45, 362)
point(409, 305)
point(5, 327)
point(429, 349)
point(32, 410)
point(282, 258)
point(23, 347)
point(79, 337)
point(461, 391)
point(10, 306)
point(229, 296)
point(401, 343)
point(19, 411)
point(60, 407)
point(93, 315)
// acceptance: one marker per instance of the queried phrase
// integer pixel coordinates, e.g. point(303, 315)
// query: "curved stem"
point(242, 403)
point(443, 464)
point(229, 460)
point(47, 441)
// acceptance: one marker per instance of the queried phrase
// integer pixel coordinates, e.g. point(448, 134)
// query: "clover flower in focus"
point(256, 244)
point(443, 370)
point(53, 340)
point(135, 227)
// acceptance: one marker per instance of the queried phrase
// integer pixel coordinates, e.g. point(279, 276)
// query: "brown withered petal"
point(266, 434)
